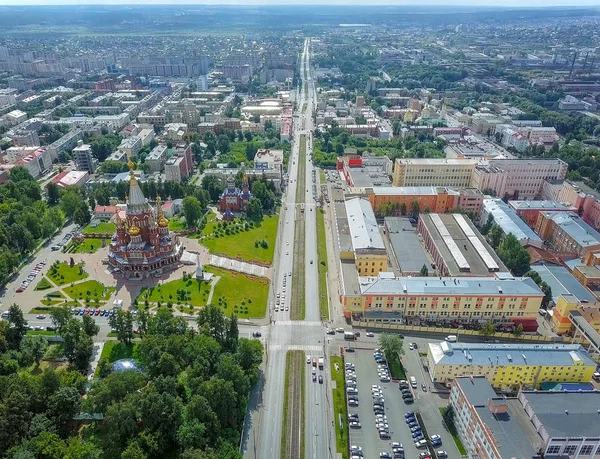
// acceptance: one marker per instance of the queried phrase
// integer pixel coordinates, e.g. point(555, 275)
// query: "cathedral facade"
point(143, 245)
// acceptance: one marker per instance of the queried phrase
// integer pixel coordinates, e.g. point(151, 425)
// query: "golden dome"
point(134, 231)
point(163, 222)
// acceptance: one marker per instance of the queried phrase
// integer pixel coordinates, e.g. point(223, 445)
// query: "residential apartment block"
point(510, 366)
point(82, 155)
point(535, 424)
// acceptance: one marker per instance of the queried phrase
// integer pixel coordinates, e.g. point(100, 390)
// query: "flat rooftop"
point(567, 414)
point(461, 246)
point(513, 430)
point(451, 286)
point(343, 229)
point(445, 353)
point(369, 176)
point(506, 217)
point(563, 282)
point(406, 245)
point(575, 227)
point(436, 161)
point(539, 205)
point(364, 231)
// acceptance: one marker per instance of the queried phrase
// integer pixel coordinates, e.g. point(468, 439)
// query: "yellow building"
point(360, 239)
point(433, 172)
point(445, 300)
point(510, 366)
point(561, 324)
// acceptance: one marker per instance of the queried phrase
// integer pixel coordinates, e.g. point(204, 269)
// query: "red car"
point(87, 310)
point(19, 290)
point(314, 362)
point(96, 312)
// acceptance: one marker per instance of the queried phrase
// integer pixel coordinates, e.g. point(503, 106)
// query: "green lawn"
point(113, 351)
point(90, 245)
point(242, 294)
point(339, 407)
point(176, 224)
point(62, 273)
point(41, 332)
point(396, 368)
point(44, 284)
point(242, 244)
point(103, 227)
point(211, 224)
point(454, 433)
point(190, 292)
point(322, 259)
point(90, 291)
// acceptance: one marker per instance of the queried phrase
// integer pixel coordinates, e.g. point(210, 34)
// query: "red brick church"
point(233, 199)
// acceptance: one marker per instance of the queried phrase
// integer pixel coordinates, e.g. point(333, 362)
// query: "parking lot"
point(425, 402)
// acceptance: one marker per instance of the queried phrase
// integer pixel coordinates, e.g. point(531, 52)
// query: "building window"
point(586, 450)
point(570, 449)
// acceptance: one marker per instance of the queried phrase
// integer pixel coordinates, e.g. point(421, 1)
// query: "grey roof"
point(567, 414)
point(575, 227)
point(512, 430)
point(363, 226)
point(406, 245)
point(538, 205)
point(369, 176)
point(509, 354)
point(451, 286)
point(461, 246)
point(563, 282)
point(508, 220)
point(583, 325)
point(477, 389)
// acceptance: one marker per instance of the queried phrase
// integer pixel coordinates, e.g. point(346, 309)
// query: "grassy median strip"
point(292, 429)
point(339, 406)
point(322, 257)
point(297, 303)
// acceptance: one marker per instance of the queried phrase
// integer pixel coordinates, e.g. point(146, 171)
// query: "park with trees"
point(186, 399)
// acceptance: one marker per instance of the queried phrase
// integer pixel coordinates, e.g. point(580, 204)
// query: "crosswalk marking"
point(302, 323)
point(295, 347)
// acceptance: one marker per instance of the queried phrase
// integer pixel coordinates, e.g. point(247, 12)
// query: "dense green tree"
point(78, 346)
point(60, 316)
point(89, 326)
point(424, 271)
point(391, 344)
point(213, 185)
point(488, 329)
point(33, 348)
point(192, 210)
point(82, 215)
point(122, 323)
point(254, 210)
point(513, 255)
point(17, 327)
point(53, 193)
point(495, 235)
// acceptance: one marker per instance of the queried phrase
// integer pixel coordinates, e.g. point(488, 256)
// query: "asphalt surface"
point(426, 402)
point(262, 434)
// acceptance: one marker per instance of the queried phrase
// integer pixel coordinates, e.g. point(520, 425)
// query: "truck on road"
point(321, 363)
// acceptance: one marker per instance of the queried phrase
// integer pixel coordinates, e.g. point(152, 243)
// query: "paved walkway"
point(95, 359)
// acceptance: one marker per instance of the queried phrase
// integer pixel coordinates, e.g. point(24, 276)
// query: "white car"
point(375, 387)
point(308, 360)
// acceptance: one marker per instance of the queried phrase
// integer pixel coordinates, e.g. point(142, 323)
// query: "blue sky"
point(501, 3)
